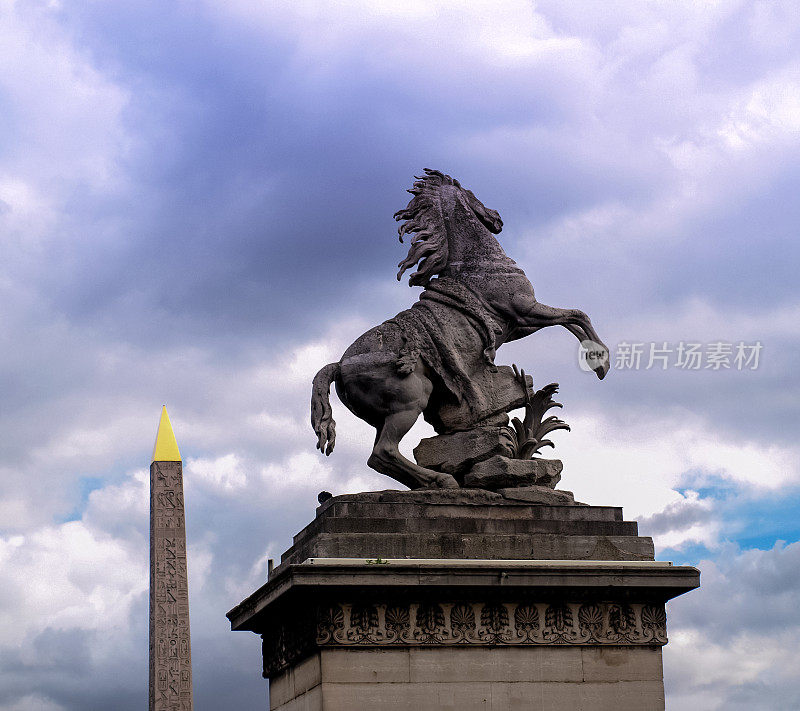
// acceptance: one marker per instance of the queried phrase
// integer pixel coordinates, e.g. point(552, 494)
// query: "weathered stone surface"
point(503, 392)
point(543, 546)
point(501, 473)
point(372, 665)
point(620, 664)
point(538, 495)
point(484, 696)
point(295, 681)
point(503, 679)
point(466, 523)
point(431, 503)
point(457, 452)
point(391, 497)
point(341, 633)
point(310, 700)
point(170, 651)
point(583, 696)
point(459, 525)
point(356, 604)
point(437, 358)
point(496, 664)
point(477, 601)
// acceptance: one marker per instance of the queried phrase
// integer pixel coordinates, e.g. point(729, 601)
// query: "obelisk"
point(170, 652)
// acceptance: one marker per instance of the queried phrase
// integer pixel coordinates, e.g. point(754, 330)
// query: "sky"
point(196, 206)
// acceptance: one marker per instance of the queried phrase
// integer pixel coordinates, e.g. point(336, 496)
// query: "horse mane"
point(423, 218)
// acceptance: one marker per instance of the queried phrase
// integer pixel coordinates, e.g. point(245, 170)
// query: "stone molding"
point(460, 624)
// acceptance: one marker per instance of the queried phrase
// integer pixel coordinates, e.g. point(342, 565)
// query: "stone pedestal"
point(464, 600)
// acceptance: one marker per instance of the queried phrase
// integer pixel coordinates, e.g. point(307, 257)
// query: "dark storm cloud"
point(254, 176)
point(214, 223)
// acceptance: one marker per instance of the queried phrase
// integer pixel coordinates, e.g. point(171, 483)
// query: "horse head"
point(441, 212)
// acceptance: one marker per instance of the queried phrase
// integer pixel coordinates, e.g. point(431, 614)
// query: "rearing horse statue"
point(437, 358)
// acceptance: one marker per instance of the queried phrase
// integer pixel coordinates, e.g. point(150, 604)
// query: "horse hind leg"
point(386, 457)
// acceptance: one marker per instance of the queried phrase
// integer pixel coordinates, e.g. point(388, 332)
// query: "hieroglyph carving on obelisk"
point(170, 651)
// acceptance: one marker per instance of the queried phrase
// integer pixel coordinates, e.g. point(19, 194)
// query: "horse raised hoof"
point(602, 370)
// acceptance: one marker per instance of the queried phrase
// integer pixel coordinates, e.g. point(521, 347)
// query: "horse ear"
point(489, 218)
point(493, 221)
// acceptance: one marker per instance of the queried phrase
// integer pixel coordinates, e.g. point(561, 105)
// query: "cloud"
point(690, 518)
point(68, 141)
point(91, 581)
point(642, 461)
point(746, 602)
point(195, 208)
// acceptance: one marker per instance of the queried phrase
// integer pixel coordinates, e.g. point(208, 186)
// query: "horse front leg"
point(535, 315)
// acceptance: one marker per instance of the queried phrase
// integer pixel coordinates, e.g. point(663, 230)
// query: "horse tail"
point(321, 413)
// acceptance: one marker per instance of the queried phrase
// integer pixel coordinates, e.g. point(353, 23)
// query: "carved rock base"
point(456, 453)
point(538, 495)
point(480, 459)
point(501, 472)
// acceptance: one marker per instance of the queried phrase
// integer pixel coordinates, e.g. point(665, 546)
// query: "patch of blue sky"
point(747, 518)
point(85, 486)
point(708, 485)
point(765, 520)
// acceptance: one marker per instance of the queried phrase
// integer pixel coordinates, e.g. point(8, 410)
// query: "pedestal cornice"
point(365, 603)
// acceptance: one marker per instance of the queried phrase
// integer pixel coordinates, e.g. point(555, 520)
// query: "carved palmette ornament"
point(462, 623)
point(398, 623)
point(654, 622)
point(526, 622)
point(486, 623)
point(330, 624)
point(590, 621)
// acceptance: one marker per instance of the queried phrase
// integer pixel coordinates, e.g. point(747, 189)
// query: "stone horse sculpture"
point(437, 358)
